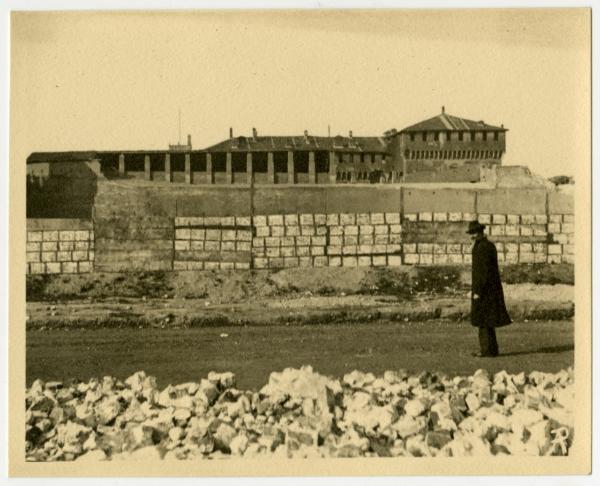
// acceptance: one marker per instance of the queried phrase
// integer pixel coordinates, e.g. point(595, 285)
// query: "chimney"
point(230, 132)
point(254, 133)
point(189, 141)
point(350, 133)
point(443, 109)
point(306, 136)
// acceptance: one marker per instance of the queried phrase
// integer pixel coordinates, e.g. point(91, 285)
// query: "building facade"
point(447, 148)
point(444, 148)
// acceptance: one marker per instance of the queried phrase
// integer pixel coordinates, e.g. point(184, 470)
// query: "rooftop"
point(444, 122)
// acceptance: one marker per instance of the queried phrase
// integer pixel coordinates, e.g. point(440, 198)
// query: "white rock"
point(414, 407)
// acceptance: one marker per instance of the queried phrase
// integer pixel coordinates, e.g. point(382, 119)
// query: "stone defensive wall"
point(137, 225)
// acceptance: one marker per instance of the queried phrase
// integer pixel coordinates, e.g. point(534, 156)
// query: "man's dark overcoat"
point(489, 309)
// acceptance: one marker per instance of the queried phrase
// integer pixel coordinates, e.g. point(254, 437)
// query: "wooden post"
point(290, 167)
point(332, 168)
point(168, 173)
point(249, 174)
point(270, 168)
point(209, 169)
point(122, 171)
point(228, 169)
point(188, 169)
point(147, 172)
point(312, 173)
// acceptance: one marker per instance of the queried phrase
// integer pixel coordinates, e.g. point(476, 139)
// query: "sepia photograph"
point(300, 242)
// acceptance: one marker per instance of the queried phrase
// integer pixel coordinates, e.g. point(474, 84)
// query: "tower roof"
point(443, 121)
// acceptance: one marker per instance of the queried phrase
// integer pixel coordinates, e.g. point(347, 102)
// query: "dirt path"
point(180, 355)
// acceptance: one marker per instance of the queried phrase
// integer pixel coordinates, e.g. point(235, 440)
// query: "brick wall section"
point(360, 227)
point(320, 240)
point(439, 238)
point(59, 246)
point(207, 243)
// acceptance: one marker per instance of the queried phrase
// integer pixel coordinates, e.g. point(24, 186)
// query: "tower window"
point(496, 136)
point(412, 137)
point(424, 136)
point(436, 136)
point(460, 136)
point(485, 134)
point(448, 136)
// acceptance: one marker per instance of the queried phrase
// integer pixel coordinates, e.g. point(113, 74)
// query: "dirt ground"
point(253, 352)
point(524, 301)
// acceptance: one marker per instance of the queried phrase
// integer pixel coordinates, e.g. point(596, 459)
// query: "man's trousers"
point(487, 341)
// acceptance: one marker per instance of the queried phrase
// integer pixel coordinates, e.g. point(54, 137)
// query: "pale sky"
point(102, 81)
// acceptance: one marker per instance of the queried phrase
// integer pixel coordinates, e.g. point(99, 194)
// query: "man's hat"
point(475, 227)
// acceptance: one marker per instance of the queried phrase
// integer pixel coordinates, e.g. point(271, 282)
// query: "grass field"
point(252, 353)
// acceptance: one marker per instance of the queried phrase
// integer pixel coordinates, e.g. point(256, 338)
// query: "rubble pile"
point(300, 413)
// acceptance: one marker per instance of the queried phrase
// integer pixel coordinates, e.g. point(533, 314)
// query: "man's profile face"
point(476, 236)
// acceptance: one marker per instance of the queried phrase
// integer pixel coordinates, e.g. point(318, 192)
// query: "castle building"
point(444, 148)
point(447, 148)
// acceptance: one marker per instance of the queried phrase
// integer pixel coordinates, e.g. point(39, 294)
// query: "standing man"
point(488, 310)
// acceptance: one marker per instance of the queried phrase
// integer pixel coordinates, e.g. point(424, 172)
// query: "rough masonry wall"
point(195, 229)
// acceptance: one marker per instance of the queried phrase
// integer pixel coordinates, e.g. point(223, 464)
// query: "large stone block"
point(50, 236)
point(66, 235)
point(439, 216)
point(260, 262)
point(336, 230)
point(334, 250)
point(317, 250)
point(34, 236)
point(65, 256)
point(377, 218)
point(307, 220)
point(228, 245)
point(364, 261)
point(50, 246)
point(411, 258)
point(366, 229)
point(303, 251)
point(425, 259)
point(291, 220)
point(263, 231)
point(379, 260)
point(333, 219)
point(277, 230)
point(320, 219)
point(33, 257)
point(363, 219)
point(290, 261)
point(320, 261)
point(275, 219)
point(411, 217)
point(307, 230)
point(318, 240)
point(213, 234)
point(366, 240)
point(273, 251)
point(52, 267)
point(48, 256)
point(68, 267)
point(349, 261)
point(349, 250)
point(243, 246)
point(425, 216)
point(259, 221)
point(409, 248)
point(351, 230)
point(292, 230)
point(335, 261)
point(526, 258)
point(347, 219)
point(392, 218)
